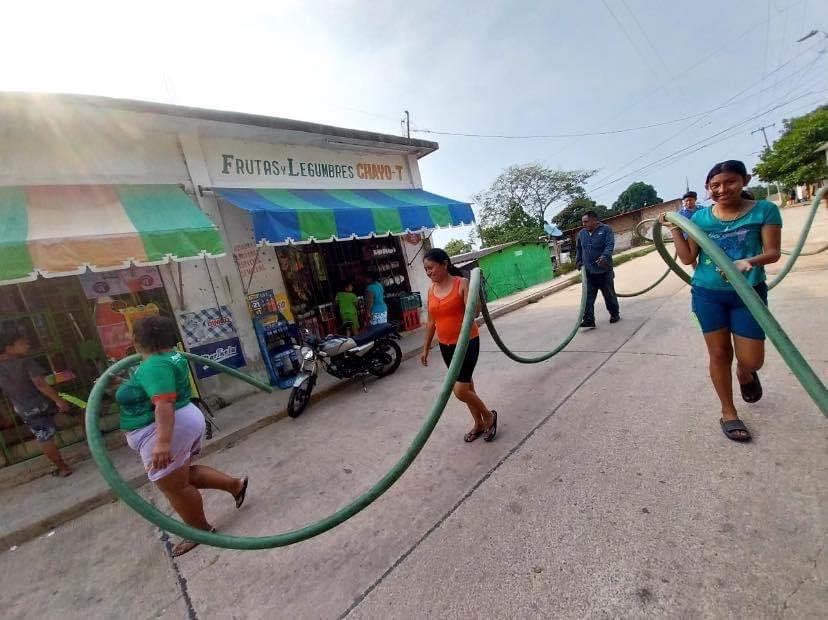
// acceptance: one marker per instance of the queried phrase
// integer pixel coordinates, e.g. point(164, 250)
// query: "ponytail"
point(438, 255)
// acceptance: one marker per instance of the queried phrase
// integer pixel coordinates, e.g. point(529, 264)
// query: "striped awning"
point(283, 216)
point(58, 230)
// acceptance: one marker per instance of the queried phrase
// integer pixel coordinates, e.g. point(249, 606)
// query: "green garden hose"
point(793, 358)
point(540, 358)
point(804, 373)
point(165, 522)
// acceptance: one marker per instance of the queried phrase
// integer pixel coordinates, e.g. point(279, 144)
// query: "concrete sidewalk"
point(32, 503)
point(610, 491)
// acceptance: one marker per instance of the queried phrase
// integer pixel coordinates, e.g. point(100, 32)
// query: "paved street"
point(610, 491)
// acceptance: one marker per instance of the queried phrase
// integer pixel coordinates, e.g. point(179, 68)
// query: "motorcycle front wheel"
point(386, 357)
point(300, 397)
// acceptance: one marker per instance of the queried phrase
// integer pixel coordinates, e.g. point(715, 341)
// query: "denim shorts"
point(717, 310)
point(41, 421)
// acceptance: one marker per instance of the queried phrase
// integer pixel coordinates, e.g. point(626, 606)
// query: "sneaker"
point(587, 323)
point(615, 319)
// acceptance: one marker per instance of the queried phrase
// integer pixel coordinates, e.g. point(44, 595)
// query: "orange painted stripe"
point(73, 226)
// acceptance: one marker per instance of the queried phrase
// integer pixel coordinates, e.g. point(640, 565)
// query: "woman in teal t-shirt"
point(375, 301)
point(165, 428)
point(749, 232)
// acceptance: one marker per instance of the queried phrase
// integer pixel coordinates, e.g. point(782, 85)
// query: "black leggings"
point(472, 353)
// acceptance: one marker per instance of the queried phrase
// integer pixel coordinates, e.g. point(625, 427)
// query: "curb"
point(46, 524)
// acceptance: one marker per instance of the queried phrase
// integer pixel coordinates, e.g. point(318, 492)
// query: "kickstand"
point(364, 386)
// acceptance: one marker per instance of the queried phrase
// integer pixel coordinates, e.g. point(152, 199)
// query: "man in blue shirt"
point(688, 205)
point(593, 250)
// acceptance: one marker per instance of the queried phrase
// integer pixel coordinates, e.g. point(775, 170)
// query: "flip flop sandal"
point(188, 545)
point(730, 428)
point(471, 436)
point(751, 392)
point(240, 497)
point(56, 473)
point(492, 432)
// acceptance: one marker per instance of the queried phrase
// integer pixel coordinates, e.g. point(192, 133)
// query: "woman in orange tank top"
point(446, 306)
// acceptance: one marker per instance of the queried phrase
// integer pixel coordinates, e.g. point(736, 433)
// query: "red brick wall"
point(624, 224)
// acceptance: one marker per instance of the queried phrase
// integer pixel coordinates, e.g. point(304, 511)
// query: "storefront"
point(241, 228)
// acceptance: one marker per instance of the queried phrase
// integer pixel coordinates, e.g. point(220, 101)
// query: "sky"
point(510, 68)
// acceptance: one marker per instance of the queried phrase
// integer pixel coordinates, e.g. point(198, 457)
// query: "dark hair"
point(155, 333)
point(9, 336)
point(591, 214)
point(439, 255)
point(690, 194)
point(748, 195)
point(731, 165)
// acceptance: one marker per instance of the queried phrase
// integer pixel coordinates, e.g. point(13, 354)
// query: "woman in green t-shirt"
point(166, 429)
point(749, 233)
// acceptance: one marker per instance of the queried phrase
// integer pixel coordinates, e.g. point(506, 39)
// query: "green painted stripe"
point(169, 222)
point(385, 219)
point(404, 195)
point(441, 216)
point(314, 221)
point(15, 259)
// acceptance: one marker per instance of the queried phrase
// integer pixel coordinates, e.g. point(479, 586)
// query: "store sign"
point(237, 163)
point(262, 303)
point(248, 260)
point(120, 282)
point(206, 325)
point(227, 352)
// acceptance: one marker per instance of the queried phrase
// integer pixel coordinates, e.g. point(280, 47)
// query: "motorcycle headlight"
point(306, 353)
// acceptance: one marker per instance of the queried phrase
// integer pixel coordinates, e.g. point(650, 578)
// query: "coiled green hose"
point(165, 522)
point(804, 373)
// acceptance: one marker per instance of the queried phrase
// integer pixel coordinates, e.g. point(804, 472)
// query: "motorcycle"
point(373, 352)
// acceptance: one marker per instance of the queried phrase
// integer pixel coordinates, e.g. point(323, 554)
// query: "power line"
point(606, 132)
point(687, 150)
point(728, 102)
point(644, 59)
point(649, 41)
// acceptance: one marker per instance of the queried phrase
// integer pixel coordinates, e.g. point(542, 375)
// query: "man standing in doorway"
point(593, 250)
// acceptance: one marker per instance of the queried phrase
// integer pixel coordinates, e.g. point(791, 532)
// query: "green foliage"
point(456, 246)
point(636, 196)
point(534, 188)
point(517, 225)
point(570, 216)
point(793, 159)
point(760, 192)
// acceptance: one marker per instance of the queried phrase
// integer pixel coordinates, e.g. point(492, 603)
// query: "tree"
point(636, 196)
point(570, 216)
point(517, 225)
point(760, 192)
point(455, 247)
point(514, 208)
point(793, 159)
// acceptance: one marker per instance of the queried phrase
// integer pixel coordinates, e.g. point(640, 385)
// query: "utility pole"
point(767, 145)
point(406, 123)
point(686, 184)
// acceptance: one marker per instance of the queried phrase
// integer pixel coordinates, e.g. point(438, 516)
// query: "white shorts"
point(186, 441)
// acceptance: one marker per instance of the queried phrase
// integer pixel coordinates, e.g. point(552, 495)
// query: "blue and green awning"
point(59, 230)
point(283, 216)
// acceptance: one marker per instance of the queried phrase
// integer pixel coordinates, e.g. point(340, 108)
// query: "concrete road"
point(610, 491)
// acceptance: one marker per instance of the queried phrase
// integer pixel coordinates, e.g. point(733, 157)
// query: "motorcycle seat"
point(373, 333)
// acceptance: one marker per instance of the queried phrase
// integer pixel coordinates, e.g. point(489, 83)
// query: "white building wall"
point(69, 144)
